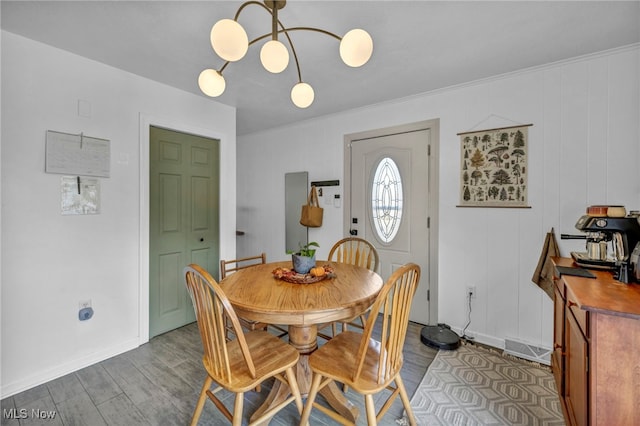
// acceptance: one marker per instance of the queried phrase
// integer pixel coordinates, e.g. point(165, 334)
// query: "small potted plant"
point(304, 258)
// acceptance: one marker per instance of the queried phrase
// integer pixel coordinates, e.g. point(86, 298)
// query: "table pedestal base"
point(304, 339)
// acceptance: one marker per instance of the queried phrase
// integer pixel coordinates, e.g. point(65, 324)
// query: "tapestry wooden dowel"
point(494, 129)
point(497, 207)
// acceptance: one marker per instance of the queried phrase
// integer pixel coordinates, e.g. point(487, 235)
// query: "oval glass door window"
point(386, 200)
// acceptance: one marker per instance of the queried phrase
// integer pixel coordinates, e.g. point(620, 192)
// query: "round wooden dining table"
point(259, 296)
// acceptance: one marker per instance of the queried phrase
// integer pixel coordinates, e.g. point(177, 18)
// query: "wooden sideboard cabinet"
point(596, 348)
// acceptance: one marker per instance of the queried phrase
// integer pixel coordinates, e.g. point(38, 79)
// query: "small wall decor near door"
point(493, 167)
point(80, 195)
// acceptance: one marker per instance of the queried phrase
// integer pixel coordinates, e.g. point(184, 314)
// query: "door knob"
point(353, 232)
point(201, 239)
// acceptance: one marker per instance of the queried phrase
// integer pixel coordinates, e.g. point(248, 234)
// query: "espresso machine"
point(613, 243)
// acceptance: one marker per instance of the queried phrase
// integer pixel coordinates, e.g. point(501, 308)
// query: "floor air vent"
point(526, 351)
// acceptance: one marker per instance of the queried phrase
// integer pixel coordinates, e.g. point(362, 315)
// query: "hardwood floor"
point(158, 384)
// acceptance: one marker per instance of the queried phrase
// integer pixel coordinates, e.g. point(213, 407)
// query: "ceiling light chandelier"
point(230, 42)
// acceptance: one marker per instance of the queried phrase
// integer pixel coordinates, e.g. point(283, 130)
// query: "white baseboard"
point(25, 383)
point(484, 339)
point(511, 346)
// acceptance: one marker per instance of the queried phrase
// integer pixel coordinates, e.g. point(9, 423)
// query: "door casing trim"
point(146, 121)
point(434, 146)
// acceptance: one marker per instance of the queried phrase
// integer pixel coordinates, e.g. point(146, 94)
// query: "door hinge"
point(428, 295)
point(429, 150)
point(428, 222)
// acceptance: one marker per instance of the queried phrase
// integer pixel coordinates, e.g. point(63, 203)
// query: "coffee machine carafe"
point(622, 234)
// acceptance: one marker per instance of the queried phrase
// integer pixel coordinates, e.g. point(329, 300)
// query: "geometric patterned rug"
point(477, 386)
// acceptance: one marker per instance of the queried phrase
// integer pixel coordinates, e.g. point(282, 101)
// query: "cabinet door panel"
point(576, 375)
point(615, 376)
point(557, 357)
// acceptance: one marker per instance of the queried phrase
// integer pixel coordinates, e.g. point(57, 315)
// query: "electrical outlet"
point(471, 291)
point(83, 304)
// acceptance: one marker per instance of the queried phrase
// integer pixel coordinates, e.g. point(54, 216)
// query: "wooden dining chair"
point(364, 364)
point(355, 251)
point(241, 364)
point(228, 266)
point(359, 252)
point(233, 265)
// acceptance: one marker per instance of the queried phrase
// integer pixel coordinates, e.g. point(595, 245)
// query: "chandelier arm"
point(255, 40)
point(274, 23)
point(286, 33)
point(283, 29)
point(293, 50)
point(275, 31)
point(245, 4)
point(262, 37)
point(318, 30)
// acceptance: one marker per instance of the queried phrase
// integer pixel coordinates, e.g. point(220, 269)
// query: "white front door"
point(389, 204)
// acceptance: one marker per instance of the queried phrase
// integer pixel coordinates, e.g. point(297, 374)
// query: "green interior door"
point(183, 221)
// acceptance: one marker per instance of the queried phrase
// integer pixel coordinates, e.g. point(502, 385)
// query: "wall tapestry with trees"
point(493, 167)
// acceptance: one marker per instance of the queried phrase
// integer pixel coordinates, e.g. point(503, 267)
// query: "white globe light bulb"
point(229, 40)
point(274, 56)
point(211, 83)
point(356, 47)
point(302, 95)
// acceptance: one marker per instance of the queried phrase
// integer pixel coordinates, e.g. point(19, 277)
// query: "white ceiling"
point(419, 46)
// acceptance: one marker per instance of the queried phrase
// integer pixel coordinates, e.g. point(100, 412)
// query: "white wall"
point(51, 262)
point(584, 148)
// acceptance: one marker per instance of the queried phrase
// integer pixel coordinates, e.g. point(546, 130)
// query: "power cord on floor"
point(464, 335)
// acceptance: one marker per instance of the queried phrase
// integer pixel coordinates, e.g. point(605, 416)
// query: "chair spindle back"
point(394, 303)
point(211, 305)
point(227, 266)
point(355, 251)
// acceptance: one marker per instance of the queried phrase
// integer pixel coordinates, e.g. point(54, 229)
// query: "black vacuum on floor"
point(440, 337)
